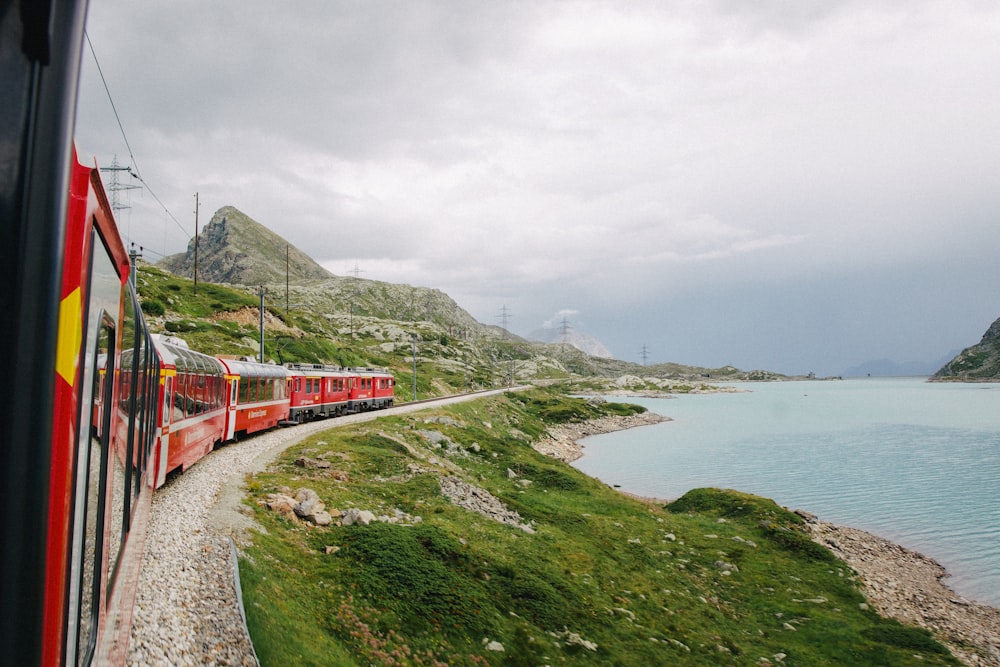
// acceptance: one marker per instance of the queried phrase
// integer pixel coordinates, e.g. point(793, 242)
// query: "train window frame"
point(88, 565)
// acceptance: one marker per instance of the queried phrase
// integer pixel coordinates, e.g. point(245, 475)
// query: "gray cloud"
point(642, 164)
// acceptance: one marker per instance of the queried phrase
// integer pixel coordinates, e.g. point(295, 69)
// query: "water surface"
point(915, 462)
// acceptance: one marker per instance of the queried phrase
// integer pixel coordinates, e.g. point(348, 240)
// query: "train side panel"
point(257, 398)
point(371, 389)
point(101, 441)
point(317, 391)
point(195, 397)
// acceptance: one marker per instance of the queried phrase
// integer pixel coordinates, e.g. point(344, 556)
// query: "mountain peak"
point(234, 248)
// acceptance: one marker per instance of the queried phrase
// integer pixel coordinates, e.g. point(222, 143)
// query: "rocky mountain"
point(577, 339)
point(979, 363)
point(234, 248)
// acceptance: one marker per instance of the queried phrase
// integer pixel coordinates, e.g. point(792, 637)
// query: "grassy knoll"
point(716, 577)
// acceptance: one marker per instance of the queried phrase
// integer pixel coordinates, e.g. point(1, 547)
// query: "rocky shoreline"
point(563, 441)
point(899, 583)
point(907, 586)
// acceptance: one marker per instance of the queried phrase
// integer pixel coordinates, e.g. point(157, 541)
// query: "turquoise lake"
point(912, 461)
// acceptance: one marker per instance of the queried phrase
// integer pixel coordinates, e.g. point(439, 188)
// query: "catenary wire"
point(135, 174)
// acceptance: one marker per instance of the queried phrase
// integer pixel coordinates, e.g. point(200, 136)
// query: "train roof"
point(317, 369)
point(254, 368)
point(368, 371)
point(174, 351)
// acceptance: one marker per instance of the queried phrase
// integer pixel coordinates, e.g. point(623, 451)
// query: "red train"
point(94, 411)
point(208, 401)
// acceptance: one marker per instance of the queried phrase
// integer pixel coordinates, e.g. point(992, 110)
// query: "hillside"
point(444, 537)
point(979, 363)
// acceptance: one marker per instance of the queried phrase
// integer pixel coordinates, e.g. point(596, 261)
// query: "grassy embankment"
point(717, 577)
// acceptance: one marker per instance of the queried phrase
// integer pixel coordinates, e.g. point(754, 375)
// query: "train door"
point(167, 418)
point(234, 389)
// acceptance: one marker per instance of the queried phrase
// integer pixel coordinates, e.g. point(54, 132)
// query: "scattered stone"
point(306, 462)
point(481, 501)
point(355, 516)
point(574, 639)
point(307, 503)
point(281, 504)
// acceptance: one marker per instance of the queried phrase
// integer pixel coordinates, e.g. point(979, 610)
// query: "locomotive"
point(95, 411)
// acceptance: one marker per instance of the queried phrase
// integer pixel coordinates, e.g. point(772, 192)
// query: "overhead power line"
point(135, 174)
point(112, 101)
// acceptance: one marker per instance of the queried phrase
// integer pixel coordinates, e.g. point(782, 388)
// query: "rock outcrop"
point(979, 363)
point(234, 248)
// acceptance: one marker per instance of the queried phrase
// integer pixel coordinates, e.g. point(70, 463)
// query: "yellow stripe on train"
point(70, 336)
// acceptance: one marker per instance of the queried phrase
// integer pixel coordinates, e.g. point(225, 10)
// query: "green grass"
point(716, 577)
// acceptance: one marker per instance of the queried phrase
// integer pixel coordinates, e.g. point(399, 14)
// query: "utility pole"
point(196, 206)
point(261, 292)
point(286, 280)
point(353, 295)
point(644, 353)
point(414, 338)
point(504, 317)
point(564, 330)
point(133, 255)
point(114, 187)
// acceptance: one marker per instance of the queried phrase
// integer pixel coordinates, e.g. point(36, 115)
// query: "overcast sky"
point(791, 185)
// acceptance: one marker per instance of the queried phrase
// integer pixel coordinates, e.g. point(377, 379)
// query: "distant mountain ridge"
point(233, 248)
point(889, 368)
point(978, 363)
point(577, 339)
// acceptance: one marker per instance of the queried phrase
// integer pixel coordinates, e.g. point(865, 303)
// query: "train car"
point(103, 425)
point(371, 389)
point(258, 397)
point(317, 391)
point(75, 413)
point(193, 398)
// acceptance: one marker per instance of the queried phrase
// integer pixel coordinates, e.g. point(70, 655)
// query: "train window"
point(199, 399)
point(180, 389)
point(91, 458)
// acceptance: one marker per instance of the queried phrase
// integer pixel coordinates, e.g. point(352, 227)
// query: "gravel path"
point(186, 609)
